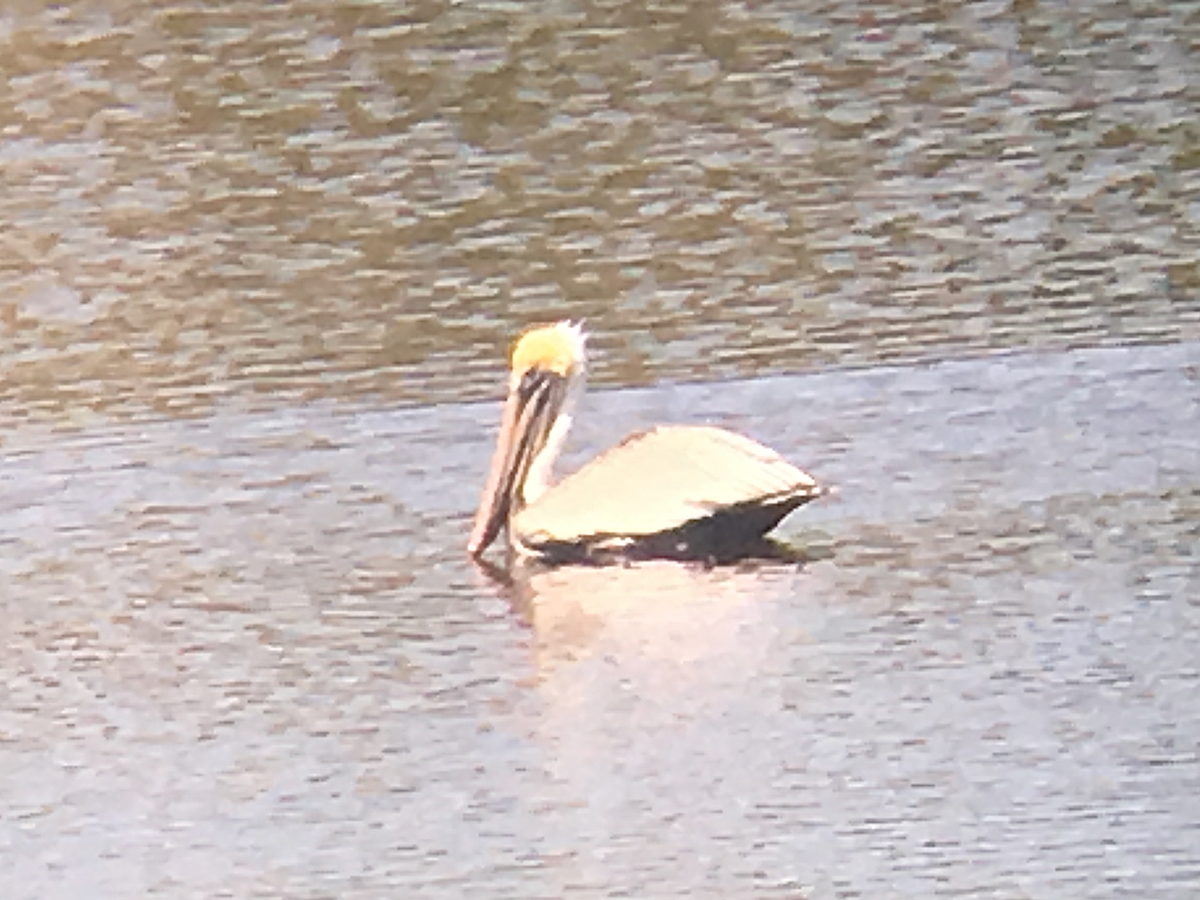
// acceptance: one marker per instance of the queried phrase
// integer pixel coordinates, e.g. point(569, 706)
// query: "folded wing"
point(660, 480)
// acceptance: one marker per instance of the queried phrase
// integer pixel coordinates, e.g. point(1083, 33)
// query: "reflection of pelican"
point(657, 619)
point(676, 491)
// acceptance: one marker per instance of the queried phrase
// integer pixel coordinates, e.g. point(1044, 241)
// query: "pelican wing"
point(660, 480)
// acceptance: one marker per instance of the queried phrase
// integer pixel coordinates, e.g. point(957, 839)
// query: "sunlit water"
point(259, 262)
point(297, 200)
point(247, 653)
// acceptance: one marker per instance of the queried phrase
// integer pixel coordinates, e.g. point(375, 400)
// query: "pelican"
point(676, 491)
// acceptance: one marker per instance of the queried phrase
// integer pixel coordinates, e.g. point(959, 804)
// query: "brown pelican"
point(693, 492)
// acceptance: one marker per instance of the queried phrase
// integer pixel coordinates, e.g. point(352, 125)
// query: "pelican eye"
point(533, 381)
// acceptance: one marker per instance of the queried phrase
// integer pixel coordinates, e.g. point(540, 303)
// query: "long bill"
point(530, 411)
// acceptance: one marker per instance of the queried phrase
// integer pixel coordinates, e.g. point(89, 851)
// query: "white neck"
point(541, 469)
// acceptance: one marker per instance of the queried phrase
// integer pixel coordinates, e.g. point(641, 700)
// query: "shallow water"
point(258, 267)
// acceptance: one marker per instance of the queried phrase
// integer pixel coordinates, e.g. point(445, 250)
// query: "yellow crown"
point(555, 348)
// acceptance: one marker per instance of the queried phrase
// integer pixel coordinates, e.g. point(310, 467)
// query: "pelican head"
point(548, 371)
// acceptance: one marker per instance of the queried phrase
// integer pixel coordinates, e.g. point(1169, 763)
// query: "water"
point(246, 653)
point(300, 200)
point(260, 264)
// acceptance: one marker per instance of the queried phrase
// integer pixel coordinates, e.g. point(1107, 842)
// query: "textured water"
point(259, 265)
point(349, 199)
point(246, 653)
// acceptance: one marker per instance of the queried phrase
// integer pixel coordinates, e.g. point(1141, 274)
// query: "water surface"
point(259, 265)
point(247, 653)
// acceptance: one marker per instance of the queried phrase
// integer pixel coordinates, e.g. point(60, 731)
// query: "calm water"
point(260, 264)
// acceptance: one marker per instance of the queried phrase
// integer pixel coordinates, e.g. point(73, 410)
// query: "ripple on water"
point(243, 652)
point(313, 205)
point(256, 636)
